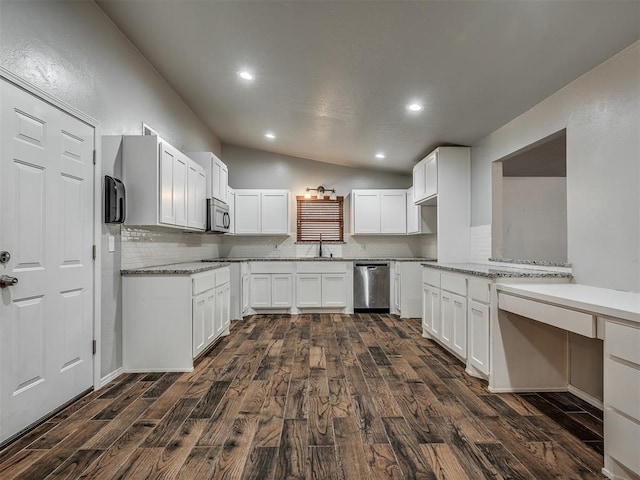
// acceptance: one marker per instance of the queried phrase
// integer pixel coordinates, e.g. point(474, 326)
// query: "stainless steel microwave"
point(218, 219)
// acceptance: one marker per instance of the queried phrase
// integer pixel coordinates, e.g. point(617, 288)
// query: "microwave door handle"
point(226, 220)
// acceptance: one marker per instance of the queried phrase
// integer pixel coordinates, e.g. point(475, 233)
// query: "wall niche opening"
point(530, 202)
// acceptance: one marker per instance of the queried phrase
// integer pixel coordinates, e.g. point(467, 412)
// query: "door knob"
point(5, 257)
point(7, 281)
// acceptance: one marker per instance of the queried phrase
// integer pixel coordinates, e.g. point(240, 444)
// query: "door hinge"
point(94, 346)
point(94, 157)
point(93, 252)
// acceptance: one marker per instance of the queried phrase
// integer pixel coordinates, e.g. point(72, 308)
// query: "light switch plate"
point(112, 243)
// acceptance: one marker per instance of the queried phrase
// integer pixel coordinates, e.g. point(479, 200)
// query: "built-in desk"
point(530, 356)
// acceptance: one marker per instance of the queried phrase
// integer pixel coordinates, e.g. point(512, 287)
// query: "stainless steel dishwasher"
point(371, 287)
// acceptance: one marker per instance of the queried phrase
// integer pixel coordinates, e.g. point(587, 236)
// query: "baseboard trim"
point(157, 370)
point(582, 395)
point(525, 390)
point(110, 377)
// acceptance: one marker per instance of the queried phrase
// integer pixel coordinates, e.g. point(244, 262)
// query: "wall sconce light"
point(320, 191)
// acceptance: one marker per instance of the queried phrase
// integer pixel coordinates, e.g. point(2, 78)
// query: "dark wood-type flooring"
point(313, 397)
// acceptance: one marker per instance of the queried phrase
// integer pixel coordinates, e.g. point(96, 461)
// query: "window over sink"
point(317, 217)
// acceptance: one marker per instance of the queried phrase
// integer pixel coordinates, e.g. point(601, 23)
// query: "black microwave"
point(114, 200)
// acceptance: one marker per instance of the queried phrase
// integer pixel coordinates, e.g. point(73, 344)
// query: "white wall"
point(534, 224)
point(73, 51)
point(601, 114)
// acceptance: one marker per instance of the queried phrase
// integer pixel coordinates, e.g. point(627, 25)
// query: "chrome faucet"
point(320, 247)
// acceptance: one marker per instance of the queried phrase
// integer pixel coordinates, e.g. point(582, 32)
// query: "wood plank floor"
point(313, 397)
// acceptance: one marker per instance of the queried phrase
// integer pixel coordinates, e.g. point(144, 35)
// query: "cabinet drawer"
point(321, 267)
point(571, 320)
point(272, 267)
point(622, 387)
point(479, 289)
point(454, 283)
point(623, 438)
point(431, 276)
point(223, 275)
point(622, 341)
point(202, 282)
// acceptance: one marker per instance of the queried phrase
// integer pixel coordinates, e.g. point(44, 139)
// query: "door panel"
point(46, 198)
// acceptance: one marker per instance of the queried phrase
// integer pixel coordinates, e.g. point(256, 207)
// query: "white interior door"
point(46, 214)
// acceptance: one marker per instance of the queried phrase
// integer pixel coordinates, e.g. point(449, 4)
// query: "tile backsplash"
point(480, 244)
point(149, 246)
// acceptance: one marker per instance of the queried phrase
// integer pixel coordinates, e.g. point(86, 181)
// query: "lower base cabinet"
point(321, 290)
point(270, 290)
point(478, 321)
point(168, 320)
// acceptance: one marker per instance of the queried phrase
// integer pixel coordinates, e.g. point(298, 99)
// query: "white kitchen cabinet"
point(246, 288)
point(366, 212)
point(621, 398)
point(421, 219)
point(231, 197)
point(334, 290)
point(443, 180)
point(217, 175)
point(308, 290)
point(431, 320)
point(396, 293)
point(375, 212)
point(478, 322)
point(406, 289)
point(247, 215)
point(196, 197)
point(261, 212)
point(459, 338)
point(321, 284)
point(168, 320)
point(164, 186)
point(271, 285)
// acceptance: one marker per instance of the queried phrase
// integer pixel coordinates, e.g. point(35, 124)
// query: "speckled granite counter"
point(176, 268)
point(323, 259)
point(497, 271)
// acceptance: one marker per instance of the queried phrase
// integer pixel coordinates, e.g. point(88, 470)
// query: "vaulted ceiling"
point(332, 78)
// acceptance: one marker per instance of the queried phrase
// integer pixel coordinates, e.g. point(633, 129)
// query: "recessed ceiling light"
point(380, 155)
point(415, 107)
point(270, 135)
point(245, 75)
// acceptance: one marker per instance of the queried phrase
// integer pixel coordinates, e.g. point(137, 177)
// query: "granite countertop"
point(323, 259)
point(495, 271)
point(175, 268)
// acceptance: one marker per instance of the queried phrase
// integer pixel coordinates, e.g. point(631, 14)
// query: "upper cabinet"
point(261, 212)
point(217, 174)
point(378, 212)
point(425, 178)
point(442, 179)
point(164, 186)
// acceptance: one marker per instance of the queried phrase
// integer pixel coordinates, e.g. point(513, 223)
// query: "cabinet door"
point(431, 175)
point(247, 212)
point(226, 307)
point(260, 290)
point(334, 290)
point(446, 316)
point(366, 213)
point(167, 212)
point(224, 183)
point(413, 214)
point(281, 290)
point(245, 294)
point(431, 310)
point(419, 181)
point(478, 319)
point(275, 212)
point(396, 293)
point(308, 290)
point(209, 316)
point(196, 184)
point(198, 317)
point(180, 172)
point(393, 211)
point(459, 337)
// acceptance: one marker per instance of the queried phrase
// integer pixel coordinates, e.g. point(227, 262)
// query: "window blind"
point(317, 217)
